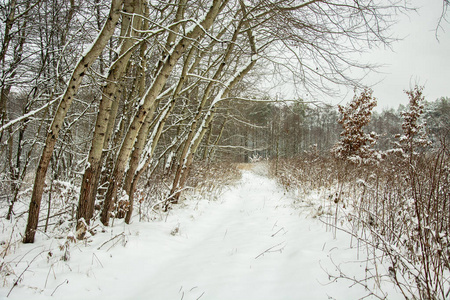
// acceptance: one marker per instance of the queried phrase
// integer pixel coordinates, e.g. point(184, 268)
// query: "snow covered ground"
point(251, 243)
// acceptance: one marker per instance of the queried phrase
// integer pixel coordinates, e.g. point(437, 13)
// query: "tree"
point(110, 94)
point(414, 134)
point(437, 116)
point(148, 101)
point(355, 145)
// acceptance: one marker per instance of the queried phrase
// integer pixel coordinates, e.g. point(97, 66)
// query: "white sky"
point(418, 58)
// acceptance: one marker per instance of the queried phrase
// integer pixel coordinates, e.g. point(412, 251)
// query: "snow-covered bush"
point(406, 216)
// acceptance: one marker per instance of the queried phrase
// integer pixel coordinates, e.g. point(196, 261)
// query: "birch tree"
point(171, 73)
point(201, 130)
point(66, 100)
point(141, 138)
point(197, 131)
point(325, 23)
point(196, 119)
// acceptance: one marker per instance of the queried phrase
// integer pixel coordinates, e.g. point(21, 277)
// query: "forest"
point(116, 110)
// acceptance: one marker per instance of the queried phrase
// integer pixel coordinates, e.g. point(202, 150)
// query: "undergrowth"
point(56, 237)
point(398, 208)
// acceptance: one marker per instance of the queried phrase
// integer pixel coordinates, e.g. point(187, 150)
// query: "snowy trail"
point(224, 252)
point(250, 244)
point(220, 254)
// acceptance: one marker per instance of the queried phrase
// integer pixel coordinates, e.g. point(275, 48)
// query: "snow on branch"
point(25, 116)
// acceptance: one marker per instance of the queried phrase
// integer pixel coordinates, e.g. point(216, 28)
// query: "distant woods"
point(292, 129)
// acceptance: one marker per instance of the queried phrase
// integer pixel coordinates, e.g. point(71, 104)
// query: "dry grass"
point(244, 166)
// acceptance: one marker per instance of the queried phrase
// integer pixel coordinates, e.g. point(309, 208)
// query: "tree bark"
point(183, 161)
point(134, 171)
point(143, 132)
point(201, 130)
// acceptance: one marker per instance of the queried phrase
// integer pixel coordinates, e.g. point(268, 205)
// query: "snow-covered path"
point(249, 244)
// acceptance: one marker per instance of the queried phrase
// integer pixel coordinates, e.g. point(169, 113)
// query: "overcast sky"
point(418, 58)
point(421, 56)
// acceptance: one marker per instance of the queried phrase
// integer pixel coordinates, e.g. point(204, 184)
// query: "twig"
point(361, 282)
point(201, 295)
point(93, 255)
point(282, 228)
point(27, 254)
point(48, 274)
point(23, 272)
point(274, 225)
point(65, 281)
point(269, 250)
point(120, 234)
point(9, 242)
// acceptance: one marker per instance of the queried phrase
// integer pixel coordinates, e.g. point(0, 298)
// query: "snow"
point(250, 243)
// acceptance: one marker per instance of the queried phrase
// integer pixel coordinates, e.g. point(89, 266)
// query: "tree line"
point(269, 129)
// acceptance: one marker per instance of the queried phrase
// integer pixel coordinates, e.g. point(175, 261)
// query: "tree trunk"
point(213, 146)
point(145, 129)
point(183, 161)
point(133, 172)
point(193, 145)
